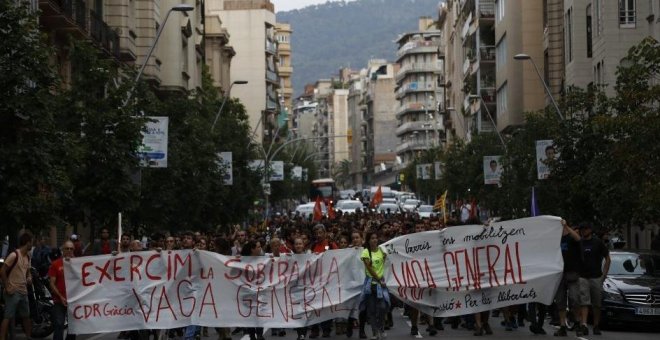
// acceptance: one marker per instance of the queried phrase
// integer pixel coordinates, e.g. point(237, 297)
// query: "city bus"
point(324, 188)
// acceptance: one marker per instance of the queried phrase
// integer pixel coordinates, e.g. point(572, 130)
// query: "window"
point(589, 44)
point(569, 35)
point(627, 15)
point(502, 106)
point(499, 9)
point(500, 54)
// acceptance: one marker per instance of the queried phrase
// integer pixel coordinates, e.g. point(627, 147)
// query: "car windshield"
point(635, 264)
point(426, 208)
point(412, 202)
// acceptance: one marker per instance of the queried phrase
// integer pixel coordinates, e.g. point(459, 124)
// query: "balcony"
point(415, 87)
point(416, 47)
point(487, 9)
point(418, 68)
point(410, 107)
point(285, 70)
point(466, 26)
point(415, 126)
point(271, 47)
point(72, 17)
point(487, 53)
point(272, 77)
point(412, 145)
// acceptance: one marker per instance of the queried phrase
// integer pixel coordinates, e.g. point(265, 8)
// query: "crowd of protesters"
point(291, 233)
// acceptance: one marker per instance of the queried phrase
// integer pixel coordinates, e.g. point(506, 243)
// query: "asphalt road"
point(401, 330)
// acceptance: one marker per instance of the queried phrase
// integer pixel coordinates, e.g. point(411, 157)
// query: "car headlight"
point(612, 295)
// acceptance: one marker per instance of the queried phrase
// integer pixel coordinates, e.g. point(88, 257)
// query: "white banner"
point(426, 171)
point(455, 271)
point(151, 290)
point(225, 162)
point(467, 269)
point(276, 171)
point(153, 151)
point(492, 169)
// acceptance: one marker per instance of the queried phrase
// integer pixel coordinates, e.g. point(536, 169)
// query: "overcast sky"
point(286, 5)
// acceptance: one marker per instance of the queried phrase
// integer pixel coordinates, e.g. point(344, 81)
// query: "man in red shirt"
point(322, 244)
point(57, 287)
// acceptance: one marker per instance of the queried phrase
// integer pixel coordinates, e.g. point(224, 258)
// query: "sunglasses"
point(67, 248)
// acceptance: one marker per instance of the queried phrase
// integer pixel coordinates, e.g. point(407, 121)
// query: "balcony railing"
point(73, 16)
point(271, 76)
point(414, 87)
point(420, 46)
point(487, 53)
point(487, 8)
point(418, 67)
point(103, 34)
point(271, 47)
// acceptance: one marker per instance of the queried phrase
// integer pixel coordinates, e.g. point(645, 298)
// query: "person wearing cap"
point(592, 274)
point(77, 245)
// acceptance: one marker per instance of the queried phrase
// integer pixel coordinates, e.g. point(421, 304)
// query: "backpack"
point(11, 266)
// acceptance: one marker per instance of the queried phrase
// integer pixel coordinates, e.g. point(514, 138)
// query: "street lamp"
point(224, 100)
point(177, 8)
point(481, 100)
point(522, 56)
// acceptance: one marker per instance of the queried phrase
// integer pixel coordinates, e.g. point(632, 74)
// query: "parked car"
point(411, 204)
point(308, 209)
point(348, 206)
point(384, 207)
point(425, 211)
point(631, 291)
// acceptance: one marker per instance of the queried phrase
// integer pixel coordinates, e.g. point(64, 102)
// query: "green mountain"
point(347, 34)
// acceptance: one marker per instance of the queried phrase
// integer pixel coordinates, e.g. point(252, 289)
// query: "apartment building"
point(283, 33)
point(251, 24)
point(219, 52)
point(125, 30)
point(519, 29)
point(357, 139)
point(598, 35)
point(553, 47)
point(419, 89)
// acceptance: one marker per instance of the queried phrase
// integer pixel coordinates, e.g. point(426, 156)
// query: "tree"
point(342, 173)
point(31, 174)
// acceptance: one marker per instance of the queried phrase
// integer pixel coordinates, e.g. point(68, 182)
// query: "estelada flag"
point(441, 204)
point(331, 211)
point(378, 198)
point(318, 213)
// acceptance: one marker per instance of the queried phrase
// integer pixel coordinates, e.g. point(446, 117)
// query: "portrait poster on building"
point(296, 173)
point(276, 171)
point(153, 151)
point(438, 170)
point(226, 167)
point(426, 171)
point(546, 153)
point(492, 169)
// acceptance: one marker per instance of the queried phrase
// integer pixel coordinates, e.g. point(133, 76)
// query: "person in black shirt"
point(568, 290)
point(592, 274)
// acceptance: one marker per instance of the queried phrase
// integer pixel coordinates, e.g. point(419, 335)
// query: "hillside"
point(337, 34)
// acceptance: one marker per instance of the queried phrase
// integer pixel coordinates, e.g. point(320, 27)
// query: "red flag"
point(318, 213)
point(378, 198)
point(331, 211)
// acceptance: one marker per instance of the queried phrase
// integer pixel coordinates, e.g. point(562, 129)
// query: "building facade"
point(419, 86)
point(251, 24)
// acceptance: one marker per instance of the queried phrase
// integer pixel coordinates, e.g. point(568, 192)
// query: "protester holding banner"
point(320, 246)
point(58, 290)
point(253, 248)
point(374, 293)
point(568, 291)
